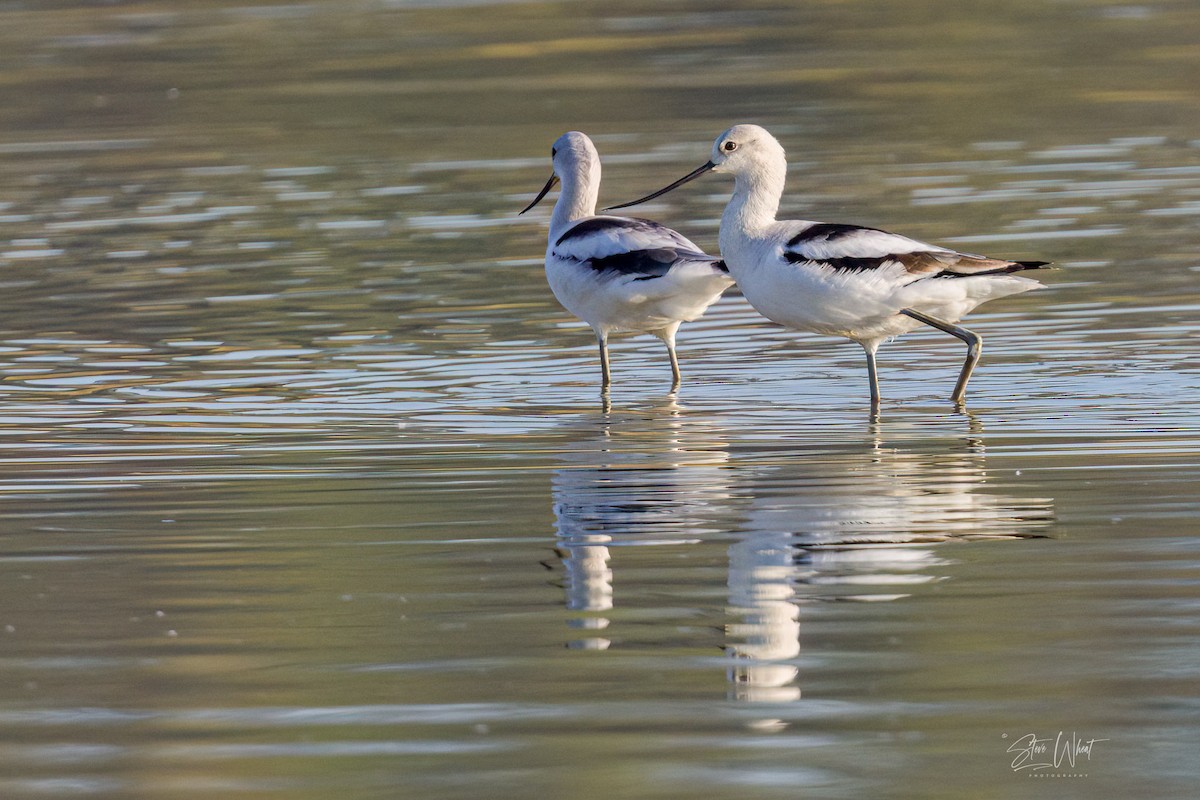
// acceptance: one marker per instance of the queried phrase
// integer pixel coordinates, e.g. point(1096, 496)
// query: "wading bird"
point(862, 283)
point(620, 274)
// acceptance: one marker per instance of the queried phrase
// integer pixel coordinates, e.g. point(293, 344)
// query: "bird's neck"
point(580, 190)
point(755, 201)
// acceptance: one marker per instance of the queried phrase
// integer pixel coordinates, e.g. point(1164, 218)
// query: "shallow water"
point(306, 485)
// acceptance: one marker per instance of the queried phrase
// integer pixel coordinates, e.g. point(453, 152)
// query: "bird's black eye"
point(553, 152)
point(729, 147)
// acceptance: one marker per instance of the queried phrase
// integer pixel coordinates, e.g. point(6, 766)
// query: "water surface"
point(307, 489)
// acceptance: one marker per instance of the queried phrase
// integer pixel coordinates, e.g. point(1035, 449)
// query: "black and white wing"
point(628, 246)
point(854, 248)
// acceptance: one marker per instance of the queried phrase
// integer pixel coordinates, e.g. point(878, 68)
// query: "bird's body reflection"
point(857, 522)
point(849, 521)
point(632, 480)
point(764, 636)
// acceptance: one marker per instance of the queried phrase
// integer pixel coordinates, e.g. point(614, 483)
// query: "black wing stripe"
point(845, 263)
point(1007, 269)
point(827, 232)
point(915, 263)
point(646, 263)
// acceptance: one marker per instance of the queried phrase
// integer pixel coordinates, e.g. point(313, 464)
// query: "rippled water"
point(307, 490)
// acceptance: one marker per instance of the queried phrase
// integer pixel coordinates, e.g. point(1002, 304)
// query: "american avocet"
point(620, 274)
point(862, 283)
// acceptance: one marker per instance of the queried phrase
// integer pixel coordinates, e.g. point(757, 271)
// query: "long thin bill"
point(545, 190)
point(691, 176)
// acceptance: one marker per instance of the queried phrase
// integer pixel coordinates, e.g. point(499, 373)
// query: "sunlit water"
point(308, 492)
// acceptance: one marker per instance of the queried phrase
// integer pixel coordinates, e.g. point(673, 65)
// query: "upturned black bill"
point(545, 190)
point(691, 176)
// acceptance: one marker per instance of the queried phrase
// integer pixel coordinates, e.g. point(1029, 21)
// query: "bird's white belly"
point(823, 301)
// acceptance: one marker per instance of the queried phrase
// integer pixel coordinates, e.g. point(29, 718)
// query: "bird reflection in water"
point(841, 521)
point(634, 479)
point(849, 523)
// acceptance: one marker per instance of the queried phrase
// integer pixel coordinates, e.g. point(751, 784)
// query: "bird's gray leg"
point(872, 374)
point(605, 375)
point(676, 377)
point(974, 348)
point(668, 336)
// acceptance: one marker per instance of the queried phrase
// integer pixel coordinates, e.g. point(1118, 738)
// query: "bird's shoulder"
point(607, 234)
point(816, 241)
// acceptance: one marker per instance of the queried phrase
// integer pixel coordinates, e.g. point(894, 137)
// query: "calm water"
point(307, 491)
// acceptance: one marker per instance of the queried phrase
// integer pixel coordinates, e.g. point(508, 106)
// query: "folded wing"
point(634, 247)
point(858, 249)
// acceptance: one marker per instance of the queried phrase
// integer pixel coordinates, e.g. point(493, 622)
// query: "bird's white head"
point(754, 158)
point(746, 149)
point(577, 166)
point(573, 153)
